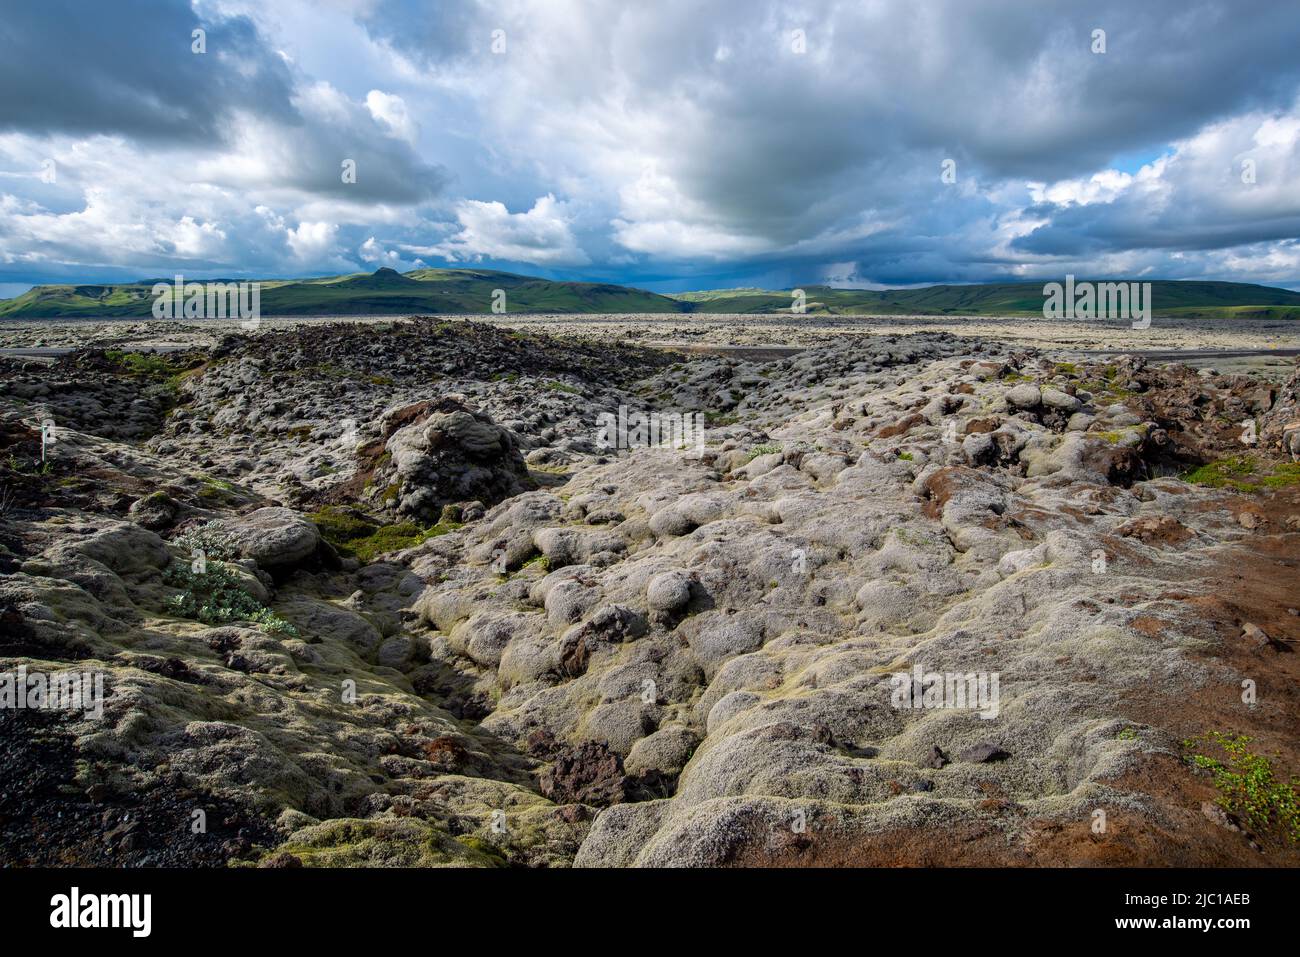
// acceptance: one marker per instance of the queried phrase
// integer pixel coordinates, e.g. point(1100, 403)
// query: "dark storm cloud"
point(756, 152)
point(126, 67)
point(1091, 230)
point(680, 138)
point(1008, 89)
point(1020, 91)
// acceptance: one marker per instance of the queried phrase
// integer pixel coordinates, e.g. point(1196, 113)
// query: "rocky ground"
point(1265, 348)
point(373, 593)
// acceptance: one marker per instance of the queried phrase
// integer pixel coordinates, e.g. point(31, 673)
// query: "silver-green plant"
point(213, 539)
point(215, 596)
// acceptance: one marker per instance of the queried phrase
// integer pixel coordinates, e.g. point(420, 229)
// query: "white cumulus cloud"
point(542, 236)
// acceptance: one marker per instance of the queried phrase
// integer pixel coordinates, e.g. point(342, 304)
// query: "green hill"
point(1169, 298)
point(383, 292)
point(470, 292)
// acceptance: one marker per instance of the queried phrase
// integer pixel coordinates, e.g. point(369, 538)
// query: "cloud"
point(153, 208)
point(391, 111)
point(759, 153)
point(313, 241)
point(1233, 183)
point(128, 68)
point(1101, 187)
point(168, 159)
point(656, 218)
point(373, 253)
point(688, 139)
point(338, 137)
point(542, 236)
point(433, 34)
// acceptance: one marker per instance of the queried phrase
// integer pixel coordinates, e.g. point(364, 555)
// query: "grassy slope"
point(469, 291)
point(385, 291)
point(1203, 299)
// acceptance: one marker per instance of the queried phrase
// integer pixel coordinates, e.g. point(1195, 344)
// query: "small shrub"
point(1248, 785)
point(212, 538)
point(216, 597)
point(272, 623)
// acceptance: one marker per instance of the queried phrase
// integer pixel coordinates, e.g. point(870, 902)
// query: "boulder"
point(446, 452)
point(1061, 401)
point(274, 537)
point(666, 751)
point(1280, 426)
point(1024, 396)
point(668, 592)
point(983, 753)
point(155, 511)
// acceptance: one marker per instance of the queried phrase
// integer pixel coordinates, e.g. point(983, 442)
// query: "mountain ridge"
point(472, 291)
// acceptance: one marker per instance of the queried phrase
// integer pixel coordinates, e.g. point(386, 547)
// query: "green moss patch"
point(356, 536)
point(218, 492)
point(1288, 473)
point(146, 364)
point(553, 386)
point(404, 842)
point(1243, 473)
point(538, 561)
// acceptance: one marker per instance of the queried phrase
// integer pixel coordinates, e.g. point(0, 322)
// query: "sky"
point(670, 145)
